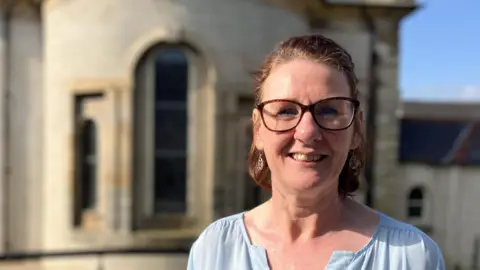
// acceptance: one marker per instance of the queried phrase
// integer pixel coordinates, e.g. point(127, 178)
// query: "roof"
point(441, 110)
point(440, 134)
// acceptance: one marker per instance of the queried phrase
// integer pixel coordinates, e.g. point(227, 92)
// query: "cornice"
point(14, 3)
point(315, 10)
point(22, 8)
point(395, 11)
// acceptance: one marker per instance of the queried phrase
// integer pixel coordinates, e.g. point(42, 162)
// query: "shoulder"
point(220, 237)
point(225, 229)
point(408, 243)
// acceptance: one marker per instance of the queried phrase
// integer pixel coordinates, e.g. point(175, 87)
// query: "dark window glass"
point(171, 130)
point(171, 86)
point(86, 167)
point(414, 211)
point(170, 184)
point(416, 194)
point(415, 203)
point(89, 164)
point(171, 80)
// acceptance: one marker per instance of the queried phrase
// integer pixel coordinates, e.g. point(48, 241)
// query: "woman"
point(309, 149)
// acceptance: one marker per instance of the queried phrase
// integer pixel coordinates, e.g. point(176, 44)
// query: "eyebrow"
point(316, 101)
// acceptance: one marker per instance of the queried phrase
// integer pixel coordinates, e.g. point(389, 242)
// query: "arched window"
point(160, 133)
point(171, 84)
point(416, 203)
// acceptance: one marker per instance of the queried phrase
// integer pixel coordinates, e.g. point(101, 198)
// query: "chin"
point(307, 180)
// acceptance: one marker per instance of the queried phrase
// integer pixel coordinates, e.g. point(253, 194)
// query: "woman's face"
point(307, 157)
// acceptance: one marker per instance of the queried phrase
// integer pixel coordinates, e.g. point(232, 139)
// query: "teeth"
point(304, 157)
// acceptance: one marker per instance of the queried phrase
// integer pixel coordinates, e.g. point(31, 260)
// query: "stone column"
point(3, 89)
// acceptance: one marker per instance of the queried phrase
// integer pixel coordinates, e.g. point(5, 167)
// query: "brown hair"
point(319, 49)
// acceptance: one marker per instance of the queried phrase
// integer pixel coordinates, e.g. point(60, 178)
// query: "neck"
point(298, 218)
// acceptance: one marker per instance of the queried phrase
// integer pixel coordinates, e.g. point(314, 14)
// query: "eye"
point(281, 110)
point(287, 112)
point(327, 111)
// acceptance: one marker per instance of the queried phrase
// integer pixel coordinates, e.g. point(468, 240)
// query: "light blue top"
point(224, 245)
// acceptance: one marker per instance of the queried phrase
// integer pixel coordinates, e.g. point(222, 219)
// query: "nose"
point(308, 130)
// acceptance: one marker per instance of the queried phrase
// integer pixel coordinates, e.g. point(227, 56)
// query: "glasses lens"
point(334, 113)
point(281, 115)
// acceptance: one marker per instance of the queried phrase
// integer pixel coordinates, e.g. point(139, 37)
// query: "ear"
point(357, 130)
point(257, 122)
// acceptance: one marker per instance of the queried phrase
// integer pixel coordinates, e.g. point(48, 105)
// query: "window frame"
point(423, 220)
point(79, 186)
point(143, 216)
point(416, 203)
point(94, 104)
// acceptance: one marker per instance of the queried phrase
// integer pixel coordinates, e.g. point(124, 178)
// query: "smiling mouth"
point(307, 157)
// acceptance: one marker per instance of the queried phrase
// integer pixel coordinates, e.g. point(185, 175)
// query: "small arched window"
point(416, 203)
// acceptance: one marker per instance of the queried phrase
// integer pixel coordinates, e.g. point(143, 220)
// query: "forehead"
point(304, 81)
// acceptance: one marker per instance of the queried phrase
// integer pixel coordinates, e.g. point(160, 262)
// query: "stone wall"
point(22, 125)
point(356, 38)
point(450, 215)
point(87, 46)
point(93, 45)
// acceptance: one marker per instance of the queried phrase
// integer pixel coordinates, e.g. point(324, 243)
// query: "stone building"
point(440, 177)
point(125, 124)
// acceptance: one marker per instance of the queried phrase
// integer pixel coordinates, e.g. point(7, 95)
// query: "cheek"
point(339, 141)
point(275, 143)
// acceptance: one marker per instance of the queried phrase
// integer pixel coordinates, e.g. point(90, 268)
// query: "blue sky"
point(440, 51)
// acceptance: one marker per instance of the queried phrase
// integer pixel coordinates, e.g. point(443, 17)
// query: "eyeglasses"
point(282, 115)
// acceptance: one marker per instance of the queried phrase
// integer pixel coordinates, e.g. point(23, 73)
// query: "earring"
point(260, 162)
point(354, 163)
